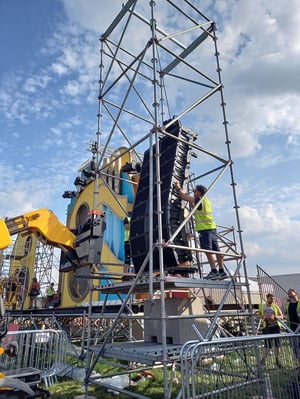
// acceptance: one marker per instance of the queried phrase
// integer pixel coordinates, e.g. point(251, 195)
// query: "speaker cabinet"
point(175, 154)
point(87, 246)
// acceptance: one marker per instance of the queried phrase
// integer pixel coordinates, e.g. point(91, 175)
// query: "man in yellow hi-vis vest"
point(269, 313)
point(292, 313)
point(207, 229)
point(50, 294)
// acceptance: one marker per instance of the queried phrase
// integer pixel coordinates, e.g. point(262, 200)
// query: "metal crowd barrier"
point(238, 368)
point(32, 351)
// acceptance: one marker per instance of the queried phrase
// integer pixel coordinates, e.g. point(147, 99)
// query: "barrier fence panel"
point(242, 367)
point(43, 350)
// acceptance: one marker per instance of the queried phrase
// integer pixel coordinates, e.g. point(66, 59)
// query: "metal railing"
point(42, 350)
point(241, 367)
point(268, 284)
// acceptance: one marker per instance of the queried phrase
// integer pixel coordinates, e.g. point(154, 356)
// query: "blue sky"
point(49, 75)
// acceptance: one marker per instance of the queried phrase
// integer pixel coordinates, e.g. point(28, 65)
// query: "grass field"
point(69, 389)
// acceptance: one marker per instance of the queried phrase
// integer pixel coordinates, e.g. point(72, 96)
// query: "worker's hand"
point(177, 186)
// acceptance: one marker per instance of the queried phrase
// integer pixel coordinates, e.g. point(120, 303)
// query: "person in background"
point(269, 313)
point(34, 292)
point(50, 294)
point(12, 285)
point(57, 299)
point(22, 279)
point(292, 313)
point(207, 229)
point(127, 251)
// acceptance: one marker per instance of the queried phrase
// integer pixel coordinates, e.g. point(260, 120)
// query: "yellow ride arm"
point(43, 224)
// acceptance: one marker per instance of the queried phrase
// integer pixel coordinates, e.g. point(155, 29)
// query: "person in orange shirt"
point(34, 292)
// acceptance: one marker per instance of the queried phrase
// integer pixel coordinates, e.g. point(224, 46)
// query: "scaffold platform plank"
point(138, 351)
point(169, 283)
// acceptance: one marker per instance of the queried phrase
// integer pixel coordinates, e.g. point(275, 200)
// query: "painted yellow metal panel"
point(5, 238)
point(118, 203)
point(69, 300)
point(119, 206)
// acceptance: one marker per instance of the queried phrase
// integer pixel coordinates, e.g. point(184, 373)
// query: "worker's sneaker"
point(222, 275)
point(128, 278)
point(212, 275)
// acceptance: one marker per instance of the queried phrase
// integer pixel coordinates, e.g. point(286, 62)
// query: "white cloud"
point(72, 88)
point(35, 83)
point(92, 14)
point(59, 68)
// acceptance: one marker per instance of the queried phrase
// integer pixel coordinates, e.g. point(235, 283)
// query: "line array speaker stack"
point(174, 158)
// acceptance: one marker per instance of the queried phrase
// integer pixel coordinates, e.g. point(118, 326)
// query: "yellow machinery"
point(81, 239)
point(81, 247)
point(43, 224)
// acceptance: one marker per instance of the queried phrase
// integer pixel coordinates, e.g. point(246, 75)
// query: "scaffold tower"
point(160, 68)
point(24, 259)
